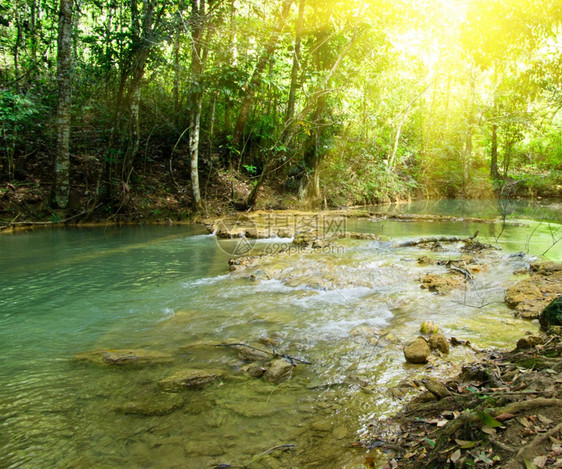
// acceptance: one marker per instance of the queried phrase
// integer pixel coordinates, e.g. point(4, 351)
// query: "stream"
point(169, 289)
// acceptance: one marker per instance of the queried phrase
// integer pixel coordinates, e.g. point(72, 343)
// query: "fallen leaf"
point(504, 416)
point(455, 456)
point(442, 423)
point(485, 458)
point(488, 430)
point(529, 464)
point(544, 419)
point(540, 461)
point(488, 420)
point(466, 444)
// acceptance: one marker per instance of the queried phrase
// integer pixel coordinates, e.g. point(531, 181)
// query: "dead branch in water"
point(436, 239)
point(274, 354)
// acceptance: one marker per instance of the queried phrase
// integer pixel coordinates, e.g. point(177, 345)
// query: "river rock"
point(441, 284)
point(187, 379)
point(552, 314)
point(530, 296)
point(254, 370)
point(417, 351)
point(529, 341)
point(364, 330)
point(251, 354)
point(439, 342)
point(160, 404)
point(428, 327)
point(278, 370)
point(127, 357)
point(340, 433)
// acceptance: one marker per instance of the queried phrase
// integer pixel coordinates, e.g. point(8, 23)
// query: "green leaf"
point(430, 442)
point(488, 420)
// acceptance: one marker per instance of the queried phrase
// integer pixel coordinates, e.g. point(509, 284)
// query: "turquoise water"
point(169, 290)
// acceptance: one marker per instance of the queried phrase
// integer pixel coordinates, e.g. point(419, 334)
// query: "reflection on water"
point(548, 210)
point(168, 289)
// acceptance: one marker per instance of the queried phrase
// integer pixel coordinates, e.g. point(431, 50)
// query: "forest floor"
point(504, 410)
point(152, 194)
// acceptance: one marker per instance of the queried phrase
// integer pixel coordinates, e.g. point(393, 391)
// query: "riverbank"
point(503, 410)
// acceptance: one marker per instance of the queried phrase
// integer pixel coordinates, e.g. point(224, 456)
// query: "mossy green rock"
point(188, 379)
point(157, 405)
point(124, 358)
point(552, 314)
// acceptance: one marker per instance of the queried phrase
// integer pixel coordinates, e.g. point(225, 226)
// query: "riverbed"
point(169, 289)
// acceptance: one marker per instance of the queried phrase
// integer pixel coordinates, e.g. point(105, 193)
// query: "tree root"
point(527, 451)
point(532, 404)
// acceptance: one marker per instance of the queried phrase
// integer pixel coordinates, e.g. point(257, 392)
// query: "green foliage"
point(16, 114)
point(392, 98)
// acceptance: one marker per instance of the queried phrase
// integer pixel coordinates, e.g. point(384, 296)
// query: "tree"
point(64, 76)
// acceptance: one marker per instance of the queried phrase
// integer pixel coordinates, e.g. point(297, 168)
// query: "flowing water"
point(168, 289)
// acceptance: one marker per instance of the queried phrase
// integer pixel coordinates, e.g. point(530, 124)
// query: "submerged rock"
point(364, 330)
point(128, 357)
point(552, 314)
point(278, 370)
point(160, 404)
point(254, 370)
point(439, 342)
point(251, 354)
point(441, 284)
point(188, 379)
point(417, 351)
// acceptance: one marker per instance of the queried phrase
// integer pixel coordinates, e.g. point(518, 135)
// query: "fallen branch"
point(46, 223)
point(274, 354)
point(270, 450)
point(435, 239)
point(466, 273)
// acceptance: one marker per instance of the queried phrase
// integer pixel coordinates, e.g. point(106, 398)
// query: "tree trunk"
point(64, 74)
point(196, 97)
point(256, 79)
point(494, 152)
point(296, 66)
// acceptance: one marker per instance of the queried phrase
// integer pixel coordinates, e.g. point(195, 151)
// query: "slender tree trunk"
point(177, 75)
point(494, 173)
point(64, 74)
point(494, 152)
point(196, 97)
point(296, 66)
point(256, 79)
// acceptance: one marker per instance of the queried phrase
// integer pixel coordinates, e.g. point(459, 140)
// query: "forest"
point(171, 107)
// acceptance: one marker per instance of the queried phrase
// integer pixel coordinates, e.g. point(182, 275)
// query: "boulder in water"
point(417, 351)
point(439, 342)
point(441, 284)
point(160, 404)
point(428, 327)
point(187, 379)
point(278, 370)
point(252, 354)
point(126, 357)
point(254, 370)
